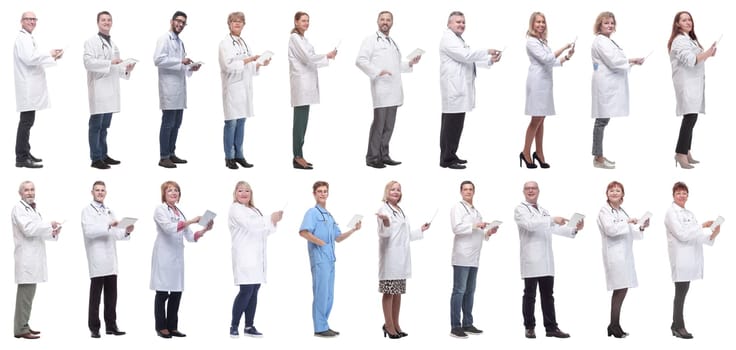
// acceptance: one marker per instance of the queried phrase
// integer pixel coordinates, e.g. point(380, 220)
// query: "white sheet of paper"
point(264, 56)
point(126, 221)
point(492, 224)
point(414, 54)
point(433, 216)
point(719, 40)
point(645, 217)
point(575, 219)
point(717, 222)
point(205, 219)
point(128, 61)
point(354, 221)
point(337, 46)
point(196, 64)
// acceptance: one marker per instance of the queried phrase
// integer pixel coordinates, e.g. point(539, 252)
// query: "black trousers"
point(678, 320)
point(167, 314)
point(546, 287)
point(108, 284)
point(685, 140)
point(450, 132)
point(22, 144)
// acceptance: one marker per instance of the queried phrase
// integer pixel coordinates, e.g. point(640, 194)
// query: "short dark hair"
point(679, 185)
point(385, 12)
point(177, 14)
point(97, 183)
point(467, 182)
point(102, 13)
point(319, 184)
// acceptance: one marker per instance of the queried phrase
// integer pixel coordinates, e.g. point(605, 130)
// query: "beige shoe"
point(681, 159)
point(690, 158)
point(605, 164)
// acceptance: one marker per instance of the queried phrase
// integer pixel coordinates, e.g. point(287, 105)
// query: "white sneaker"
point(605, 164)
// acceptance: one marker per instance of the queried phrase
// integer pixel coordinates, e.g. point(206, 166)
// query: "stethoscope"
point(396, 212)
point(29, 208)
point(390, 42)
point(105, 48)
point(101, 210)
point(241, 48)
point(254, 209)
point(537, 209)
point(615, 211)
point(175, 217)
point(175, 37)
point(323, 213)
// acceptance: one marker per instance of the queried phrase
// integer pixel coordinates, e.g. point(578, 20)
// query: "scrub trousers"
point(323, 291)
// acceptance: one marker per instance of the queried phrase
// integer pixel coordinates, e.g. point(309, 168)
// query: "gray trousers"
point(23, 304)
point(382, 128)
point(598, 128)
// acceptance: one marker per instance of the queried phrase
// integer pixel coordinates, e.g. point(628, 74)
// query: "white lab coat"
point(688, 76)
point(468, 239)
point(167, 262)
point(394, 253)
point(31, 93)
point(610, 85)
point(378, 53)
point(617, 244)
point(103, 78)
point(539, 88)
point(29, 234)
point(303, 64)
point(535, 235)
point(237, 78)
point(99, 240)
point(685, 241)
point(249, 230)
point(172, 74)
point(458, 65)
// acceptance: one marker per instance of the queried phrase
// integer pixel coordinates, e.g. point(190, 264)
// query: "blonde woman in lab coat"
point(685, 241)
point(167, 262)
point(618, 232)
point(610, 85)
point(303, 78)
point(688, 76)
point(249, 230)
point(394, 256)
point(539, 98)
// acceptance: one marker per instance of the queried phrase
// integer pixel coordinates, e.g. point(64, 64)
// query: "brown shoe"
point(27, 336)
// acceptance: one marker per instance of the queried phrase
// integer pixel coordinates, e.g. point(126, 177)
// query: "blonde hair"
point(387, 189)
point(247, 186)
point(530, 30)
point(599, 21)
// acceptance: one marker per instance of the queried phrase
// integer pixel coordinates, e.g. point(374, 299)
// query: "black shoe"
point(530, 334)
point(391, 162)
point(163, 335)
point(458, 333)
point(333, 331)
point(35, 160)
point(461, 161)
point(529, 165)
point(166, 163)
point(28, 163)
point(616, 331)
point(95, 334)
point(472, 330)
point(33, 332)
point(100, 164)
point(230, 163)
point(681, 333)
point(176, 333)
point(307, 166)
point(243, 163)
point(454, 166)
point(177, 160)
point(557, 333)
point(326, 334)
point(403, 334)
point(541, 164)
point(376, 165)
point(391, 336)
point(114, 331)
point(110, 161)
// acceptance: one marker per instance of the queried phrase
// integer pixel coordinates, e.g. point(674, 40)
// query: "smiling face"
point(615, 195)
point(680, 197)
point(467, 192)
point(302, 24)
point(457, 24)
point(685, 23)
point(608, 26)
point(321, 194)
point(385, 22)
point(28, 21)
point(243, 195)
point(27, 192)
point(531, 192)
point(178, 24)
point(236, 26)
point(171, 195)
point(539, 26)
point(99, 192)
point(394, 193)
point(104, 23)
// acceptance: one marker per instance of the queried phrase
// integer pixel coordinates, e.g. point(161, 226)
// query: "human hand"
point(559, 220)
point(331, 55)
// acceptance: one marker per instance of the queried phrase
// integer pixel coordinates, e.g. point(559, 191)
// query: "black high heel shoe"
point(528, 164)
point(616, 331)
point(543, 165)
point(681, 333)
point(403, 334)
point(391, 336)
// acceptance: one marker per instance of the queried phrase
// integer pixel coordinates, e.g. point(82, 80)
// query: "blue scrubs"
point(320, 223)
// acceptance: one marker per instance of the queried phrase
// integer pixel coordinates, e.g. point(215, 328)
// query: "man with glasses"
point(104, 70)
point(173, 69)
point(31, 93)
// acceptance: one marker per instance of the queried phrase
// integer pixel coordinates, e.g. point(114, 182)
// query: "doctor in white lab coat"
point(618, 232)
point(238, 65)
point(685, 241)
point(394, 256)
point(469, 231)
point(379, 58)
point(536, 228)
point(167, 262)
point(31, 93)
point(458, 63)
point(687, 58)
point(304, 83)
point(539, 90)
point(104, 70)
point(610, 84)
point(30, 231)
point(249, 231)
point(174, 67)
point(101, 231)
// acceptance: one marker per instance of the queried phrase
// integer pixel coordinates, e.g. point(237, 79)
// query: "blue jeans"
point(463, 294)
point(170, 123)
point(232, 138)
point(98, 124)
point(245, 302)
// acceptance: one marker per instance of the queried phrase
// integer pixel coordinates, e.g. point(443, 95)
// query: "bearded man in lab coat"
point(101, 230)
point(31, 93)
point(457, 84)
point(30, 232)
point(536, 227)
point(380, 59)
point(104, 70)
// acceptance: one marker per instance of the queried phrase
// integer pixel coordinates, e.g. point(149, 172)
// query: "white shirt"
point(303, 64)
point(535, 235)
point(458, 65)
point(167, 262)
point(685, 241)
point(617, 245)
point(468, 239)
point(394, 254)
point(30, 232)
point(249, 230)
point(172, 74)
point(378, 53)
point(103, 78)
point(31, 93)
point(99, 239)
point(237, 77)
point(688, 75)
point(610, 85)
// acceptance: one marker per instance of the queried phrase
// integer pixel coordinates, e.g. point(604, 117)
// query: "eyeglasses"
point(527, 188)
point(32, 19)
point(183, 22)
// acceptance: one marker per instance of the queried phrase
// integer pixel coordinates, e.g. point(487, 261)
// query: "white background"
point(642, 145)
